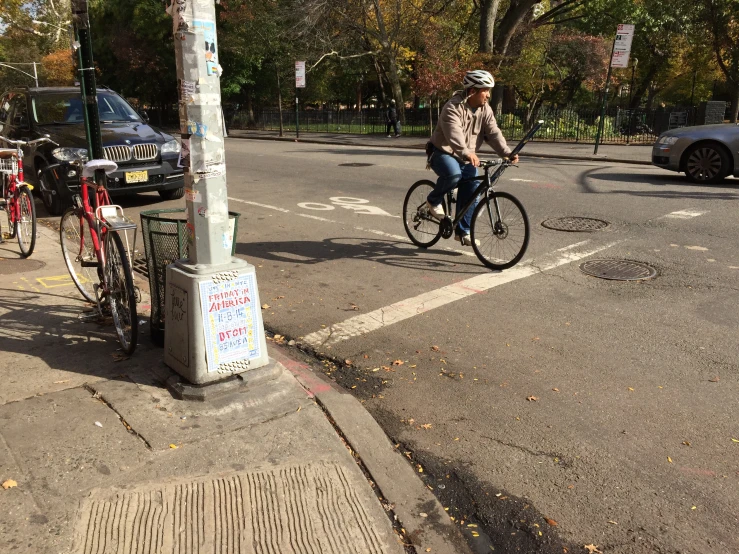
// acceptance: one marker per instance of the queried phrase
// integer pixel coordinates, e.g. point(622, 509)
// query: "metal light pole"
point(213, 318)
point(631, 85)
point(88, 88)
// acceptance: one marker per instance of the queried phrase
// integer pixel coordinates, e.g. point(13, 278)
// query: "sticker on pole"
point(230, 320)
point(300, 74)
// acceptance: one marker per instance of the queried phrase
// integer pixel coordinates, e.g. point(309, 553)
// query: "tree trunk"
point(383, 96)
point(510, 22)
point(389, 55)
point(488, 15)
point(734, 111)
point(279, 98)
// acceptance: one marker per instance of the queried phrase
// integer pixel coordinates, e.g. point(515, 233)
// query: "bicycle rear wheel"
point(423, 229)
point(121, 294)
point(77, 247)
point(500, 230)
point(26, 225)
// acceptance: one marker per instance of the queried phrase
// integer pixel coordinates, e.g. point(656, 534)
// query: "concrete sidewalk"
point(620, 153)
point(96, 455)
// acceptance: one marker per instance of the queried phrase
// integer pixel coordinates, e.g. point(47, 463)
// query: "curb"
point(413, 147)
point(426, 524)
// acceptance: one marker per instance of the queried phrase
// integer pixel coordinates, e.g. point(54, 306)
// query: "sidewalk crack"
point(98, 396)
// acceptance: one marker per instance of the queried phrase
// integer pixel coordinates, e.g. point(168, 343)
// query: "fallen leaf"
point(365, 356)
point(612, 522)
point(532, 398)
point(398, 362)
point(435, 348)
point(98, 424)
point(348, 362)
point(714, 380)
point(669, 459)
point(299, 407)
point(426, 426)
point(173, 446)
point(428, 550)
point(555, 389)
point(423, 514)
point(266, 306)
point(550, 521)
point(9, 484)
point(592, 548)
point(687, 443)
point(61, 382)
point(734, 440)
point(631, 390)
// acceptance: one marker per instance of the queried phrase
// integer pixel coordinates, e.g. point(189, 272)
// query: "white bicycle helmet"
point(479, 78)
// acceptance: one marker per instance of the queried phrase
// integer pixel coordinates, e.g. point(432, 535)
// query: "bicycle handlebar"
point(30, 142)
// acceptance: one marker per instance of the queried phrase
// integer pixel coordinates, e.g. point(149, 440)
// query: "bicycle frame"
point(488, 182)
point(96, 231)
point(12, 168)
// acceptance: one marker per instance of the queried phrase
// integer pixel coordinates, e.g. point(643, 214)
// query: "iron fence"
point(639, 126)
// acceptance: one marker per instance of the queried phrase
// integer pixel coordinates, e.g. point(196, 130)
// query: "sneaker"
point(396, 136)
point(389, 136)
point(466, 240)
point(436, 211)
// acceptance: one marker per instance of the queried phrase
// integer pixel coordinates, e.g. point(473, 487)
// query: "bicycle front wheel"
point(25, 228)
point(79, 252)
point(500, 231)
point(423, 229)
point(121, 294)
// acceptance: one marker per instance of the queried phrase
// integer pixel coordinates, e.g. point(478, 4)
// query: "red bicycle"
point(96, 249)
point(17, 197)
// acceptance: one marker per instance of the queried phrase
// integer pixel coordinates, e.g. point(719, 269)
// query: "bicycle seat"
point(7, 153)
point(93, 165)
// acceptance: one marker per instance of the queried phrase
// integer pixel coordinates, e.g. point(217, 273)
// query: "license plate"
point(137, 176)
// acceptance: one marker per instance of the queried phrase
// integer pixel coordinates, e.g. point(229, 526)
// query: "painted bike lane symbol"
point(358, 205)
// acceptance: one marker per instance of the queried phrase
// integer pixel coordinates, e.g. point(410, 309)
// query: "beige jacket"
point(460, 131)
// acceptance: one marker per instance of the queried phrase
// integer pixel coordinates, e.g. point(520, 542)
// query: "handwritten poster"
point(230, 320)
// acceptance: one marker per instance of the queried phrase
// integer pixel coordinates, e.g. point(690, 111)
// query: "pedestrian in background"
point(391, 118)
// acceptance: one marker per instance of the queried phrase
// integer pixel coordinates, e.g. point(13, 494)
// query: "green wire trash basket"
point(165, 241)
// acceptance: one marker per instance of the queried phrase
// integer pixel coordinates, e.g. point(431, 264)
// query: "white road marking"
point(317, 218)
point(283, 210)
point(316, 206)
point(699, 248)
point(522, 180)
point(685, 214)
point(373, 231)
point(405, 309)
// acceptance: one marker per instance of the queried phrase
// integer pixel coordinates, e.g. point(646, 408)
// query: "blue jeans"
point(450, 171)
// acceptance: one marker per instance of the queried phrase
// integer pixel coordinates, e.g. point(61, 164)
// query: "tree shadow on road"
point(387, 252)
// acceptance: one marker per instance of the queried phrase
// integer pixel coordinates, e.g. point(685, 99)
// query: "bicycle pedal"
point(94, 315)
point(88, 263)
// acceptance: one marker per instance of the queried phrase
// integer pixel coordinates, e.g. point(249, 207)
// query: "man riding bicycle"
point(465, 122)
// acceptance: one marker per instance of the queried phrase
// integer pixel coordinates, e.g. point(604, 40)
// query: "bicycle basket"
point(9, 166)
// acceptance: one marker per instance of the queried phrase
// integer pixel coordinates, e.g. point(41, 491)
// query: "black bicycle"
point(500, 226)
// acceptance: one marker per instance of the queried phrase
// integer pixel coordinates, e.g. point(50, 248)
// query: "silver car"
point(706, 153)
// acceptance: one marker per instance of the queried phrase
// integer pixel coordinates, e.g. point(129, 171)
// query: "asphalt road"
point(549, 408)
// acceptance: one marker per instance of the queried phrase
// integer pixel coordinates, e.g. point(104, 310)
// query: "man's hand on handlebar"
point(473, 159)
point(514, 159)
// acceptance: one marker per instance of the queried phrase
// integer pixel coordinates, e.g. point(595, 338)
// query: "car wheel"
point(706, 163)
point(49, 195)
point(172, 194)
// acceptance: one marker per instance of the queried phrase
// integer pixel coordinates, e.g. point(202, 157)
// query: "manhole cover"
point(19, 265)
point(575, 224)
point(355, 164)
point(619, 270)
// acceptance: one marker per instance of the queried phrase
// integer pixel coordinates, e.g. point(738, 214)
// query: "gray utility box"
point(214, 321)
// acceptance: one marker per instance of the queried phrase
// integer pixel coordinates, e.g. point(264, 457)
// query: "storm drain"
point(575, 224)
point(355, 164)
point(288, 510)
point(618, 270)
point(141, 267)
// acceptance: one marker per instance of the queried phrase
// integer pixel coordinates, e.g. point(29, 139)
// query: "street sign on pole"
point(622, 45)
point(299, 74)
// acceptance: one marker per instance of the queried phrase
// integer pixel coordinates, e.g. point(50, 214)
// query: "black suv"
point(146, 157)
